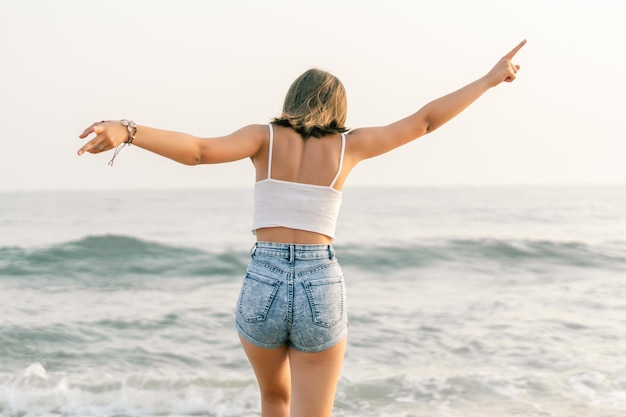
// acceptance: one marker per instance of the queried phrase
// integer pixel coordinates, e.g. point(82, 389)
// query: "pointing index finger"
point(515, 50)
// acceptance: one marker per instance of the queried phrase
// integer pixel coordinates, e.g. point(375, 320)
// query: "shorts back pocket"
point(326, 297)
point(257, 294)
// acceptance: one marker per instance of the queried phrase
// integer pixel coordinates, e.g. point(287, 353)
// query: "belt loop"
point(331, 252)
point(253, 249)
point(292, 253)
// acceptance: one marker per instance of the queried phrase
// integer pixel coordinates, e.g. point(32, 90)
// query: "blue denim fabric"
point(292, 294)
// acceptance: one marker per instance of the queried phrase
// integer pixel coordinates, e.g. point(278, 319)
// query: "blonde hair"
point(315, 105)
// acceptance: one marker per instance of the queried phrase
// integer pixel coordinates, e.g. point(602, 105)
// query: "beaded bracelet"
point(132, 131)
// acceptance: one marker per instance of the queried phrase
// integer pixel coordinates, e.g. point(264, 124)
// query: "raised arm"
point(180, 147)
point(372, 141)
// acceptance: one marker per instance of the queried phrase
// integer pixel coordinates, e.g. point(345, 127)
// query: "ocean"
point(462, 301)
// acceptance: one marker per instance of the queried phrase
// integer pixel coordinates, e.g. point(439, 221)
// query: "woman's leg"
point(290, 379)
point(271, 367)
point(314, 378)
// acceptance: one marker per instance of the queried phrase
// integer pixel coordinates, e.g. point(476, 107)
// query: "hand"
point(505, 70)
point(109, 134)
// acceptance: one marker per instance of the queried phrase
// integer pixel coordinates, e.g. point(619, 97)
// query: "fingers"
point(86, 132)
point(97, 144)
point(512, 71)
point(510, 68)
point(101, 147)
point(94, 128)
point(513, 51)
point(90, 147)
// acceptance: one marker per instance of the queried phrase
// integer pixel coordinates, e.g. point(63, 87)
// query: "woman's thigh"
point(314, 378)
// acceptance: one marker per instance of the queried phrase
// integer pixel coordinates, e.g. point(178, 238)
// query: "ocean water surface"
point(463, 302)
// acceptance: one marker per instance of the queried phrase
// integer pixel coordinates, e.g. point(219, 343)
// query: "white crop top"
point(294, 205)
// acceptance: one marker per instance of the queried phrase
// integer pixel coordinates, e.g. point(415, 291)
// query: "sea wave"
point(520, 253)
point(115, 255)
point(37, 391)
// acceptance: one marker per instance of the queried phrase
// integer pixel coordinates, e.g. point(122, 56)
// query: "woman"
point(291, 312)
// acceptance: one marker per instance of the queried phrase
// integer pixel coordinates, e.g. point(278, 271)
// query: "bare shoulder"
point(363, 142)
point(363, 133)
point(256, 131)
point(246, 142)
point(369, 142)
point(253, 136)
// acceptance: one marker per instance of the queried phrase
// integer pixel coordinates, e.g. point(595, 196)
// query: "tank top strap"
point(343, 149)
point(269, 156)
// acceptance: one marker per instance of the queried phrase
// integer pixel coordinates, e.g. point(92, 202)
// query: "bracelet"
point(132, 130)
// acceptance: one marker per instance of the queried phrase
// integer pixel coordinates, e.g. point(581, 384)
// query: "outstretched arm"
point(373, 141)
point(180, 147)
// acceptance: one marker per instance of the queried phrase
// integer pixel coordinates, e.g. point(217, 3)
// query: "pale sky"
point(210, 67)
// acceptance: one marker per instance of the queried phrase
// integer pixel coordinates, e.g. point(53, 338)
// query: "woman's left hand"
point(109, 134)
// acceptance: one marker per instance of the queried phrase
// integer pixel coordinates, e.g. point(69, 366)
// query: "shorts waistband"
point(292, 251)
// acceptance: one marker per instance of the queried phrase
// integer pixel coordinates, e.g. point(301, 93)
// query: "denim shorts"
point(292, 294)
